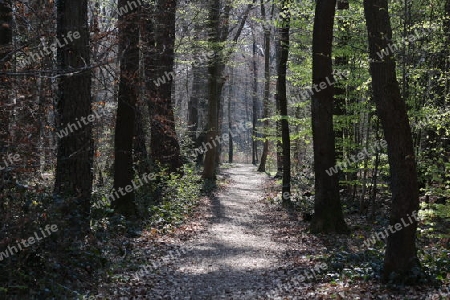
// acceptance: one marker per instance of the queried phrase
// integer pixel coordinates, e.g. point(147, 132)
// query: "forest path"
point(239, 246)
point(231, 259)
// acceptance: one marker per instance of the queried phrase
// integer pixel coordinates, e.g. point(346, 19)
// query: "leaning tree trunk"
point(401, 253)
point(75, 151)
point(125, 121)
point(328, 215)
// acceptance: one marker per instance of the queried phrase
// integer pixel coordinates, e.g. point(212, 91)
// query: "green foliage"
point(437, 264)
point(349, 267)
point(180, 196)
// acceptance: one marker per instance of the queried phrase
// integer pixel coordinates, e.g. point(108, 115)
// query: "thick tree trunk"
point(125, 121)
point(401, 252)
point(209, 171)
point(328, 217)
point(5, 86)
point(75, 151)
point(140, 156)
point(218, 32)
point(164, 145)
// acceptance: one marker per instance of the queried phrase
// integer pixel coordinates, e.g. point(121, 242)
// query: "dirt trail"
point(231, 259)
point(251, 250)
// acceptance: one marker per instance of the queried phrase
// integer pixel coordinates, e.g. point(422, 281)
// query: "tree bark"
point(126, 110)
point(75, 151)
point(254, 106)
point(283, 47)
point(265, 151)
point(262, 164)
point(328, 217)
point(5, 49)
point(230, 136)
point(401, 253)
point(215, 83)
point(164, 145)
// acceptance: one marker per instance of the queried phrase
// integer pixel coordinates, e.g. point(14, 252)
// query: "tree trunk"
point(230, 136)
point(215, 83)
point(140, 157)
point(265, 152)
point(125, 121)
point(164, 145)
point(5, 49)
point(255, 107)
point(283, 47)
point(209, 171)
point(75, 151)
point(278, 144)
point(401, 252)
point(328, 217)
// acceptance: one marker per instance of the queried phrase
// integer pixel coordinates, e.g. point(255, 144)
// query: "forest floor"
point(240, 245)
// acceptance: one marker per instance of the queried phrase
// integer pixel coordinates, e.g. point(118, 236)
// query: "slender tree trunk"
point(328, 217)
point(255, 107)
point(262, 165)
point(75, 151)
point(283, 33)
point(126, 111)
point(401, 252)
point(278, 143)
point(230, 122)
